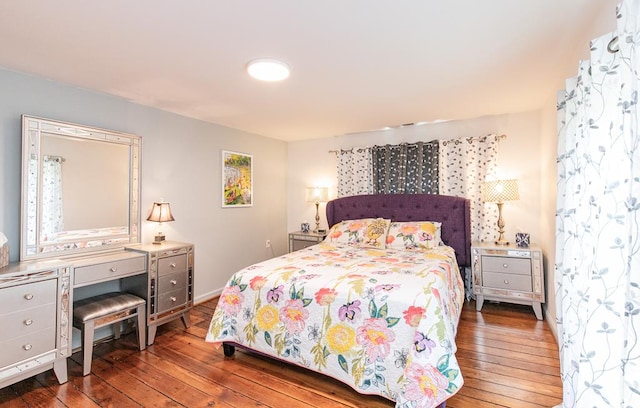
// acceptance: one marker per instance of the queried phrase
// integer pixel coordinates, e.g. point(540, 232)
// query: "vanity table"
point(72, 239)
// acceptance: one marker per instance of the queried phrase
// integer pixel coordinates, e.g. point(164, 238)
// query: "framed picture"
point(237, 179)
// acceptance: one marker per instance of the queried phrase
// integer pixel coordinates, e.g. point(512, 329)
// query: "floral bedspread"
point(381, 320)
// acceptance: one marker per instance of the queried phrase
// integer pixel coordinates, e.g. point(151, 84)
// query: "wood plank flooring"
point(507, 357)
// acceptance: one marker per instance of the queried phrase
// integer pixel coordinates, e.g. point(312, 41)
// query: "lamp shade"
point(161, 212)
point(317, 194)
point(498, 191)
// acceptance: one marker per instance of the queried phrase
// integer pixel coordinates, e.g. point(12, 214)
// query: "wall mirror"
point(80, 189)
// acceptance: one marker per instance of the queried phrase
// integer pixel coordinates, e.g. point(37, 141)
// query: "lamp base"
point(158, 239)
point(502, 242)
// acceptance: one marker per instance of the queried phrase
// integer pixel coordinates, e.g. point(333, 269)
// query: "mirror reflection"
point(80, 188)
point(85, 184)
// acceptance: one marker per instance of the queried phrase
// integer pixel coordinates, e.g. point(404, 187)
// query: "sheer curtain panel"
point(464, 165)
point(52, 221)
point(597, 275)
point(355, 172)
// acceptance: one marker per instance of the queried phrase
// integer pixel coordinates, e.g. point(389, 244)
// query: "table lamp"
point(161, 212)
point(499, 191)
point(317, 195)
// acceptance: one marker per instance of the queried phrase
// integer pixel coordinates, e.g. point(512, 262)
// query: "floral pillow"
point(414, 235)
point(365, 233)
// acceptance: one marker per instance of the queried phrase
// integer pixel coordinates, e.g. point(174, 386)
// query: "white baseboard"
point(207, 296)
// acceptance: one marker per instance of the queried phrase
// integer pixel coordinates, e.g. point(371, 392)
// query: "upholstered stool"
point(103, 310)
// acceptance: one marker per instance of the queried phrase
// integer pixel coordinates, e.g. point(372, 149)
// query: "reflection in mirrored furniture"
point(80, 189)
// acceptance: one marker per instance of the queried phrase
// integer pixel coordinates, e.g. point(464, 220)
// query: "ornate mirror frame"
point(34, 242)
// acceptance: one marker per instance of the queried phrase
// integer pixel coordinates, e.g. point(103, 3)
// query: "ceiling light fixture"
point(268, 69)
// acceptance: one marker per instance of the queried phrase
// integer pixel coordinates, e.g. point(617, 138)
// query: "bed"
point(376, 305)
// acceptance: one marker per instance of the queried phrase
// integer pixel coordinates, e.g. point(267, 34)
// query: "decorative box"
point(522, 239)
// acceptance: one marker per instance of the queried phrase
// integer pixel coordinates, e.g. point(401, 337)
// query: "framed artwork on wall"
point(237, 179)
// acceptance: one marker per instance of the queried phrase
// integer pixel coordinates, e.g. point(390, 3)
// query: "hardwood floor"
point(507, 357)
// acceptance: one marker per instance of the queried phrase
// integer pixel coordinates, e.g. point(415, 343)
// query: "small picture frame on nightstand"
point(522, 239)
point(305, 227)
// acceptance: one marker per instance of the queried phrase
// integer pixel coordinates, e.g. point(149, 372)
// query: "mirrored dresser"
point(35, 316)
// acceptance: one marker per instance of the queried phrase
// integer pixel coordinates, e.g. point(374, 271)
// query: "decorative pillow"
point(364, 233)
point(414, 235)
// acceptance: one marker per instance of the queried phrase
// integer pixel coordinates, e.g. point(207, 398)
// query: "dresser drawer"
point(109, 270)
point(506, 265)
point(27, 346)
point(27, 321)
point(172, 299)
point(171, 264)
point(28, 296)
point(507, 281)
point(172, 281)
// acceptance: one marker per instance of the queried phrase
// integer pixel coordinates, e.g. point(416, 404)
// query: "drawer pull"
point(28, 322)
point(27, 347)
point(173, 282)
point(504, 265)
point(173, 264)
point(506, 282)
point(113, 269)
point(173, 298)
point(28, 296)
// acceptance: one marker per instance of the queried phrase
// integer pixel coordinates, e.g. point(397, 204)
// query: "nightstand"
point(299, 239)
point(168, 283)
point(508, 273)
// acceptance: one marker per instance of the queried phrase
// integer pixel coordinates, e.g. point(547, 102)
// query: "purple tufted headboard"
point(453, 212)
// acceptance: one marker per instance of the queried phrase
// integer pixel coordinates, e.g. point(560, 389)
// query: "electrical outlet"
point(267, 244)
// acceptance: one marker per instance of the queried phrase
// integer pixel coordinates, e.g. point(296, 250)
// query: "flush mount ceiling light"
point(268, 69)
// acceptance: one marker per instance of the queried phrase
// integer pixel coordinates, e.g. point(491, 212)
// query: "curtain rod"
point(444, 142)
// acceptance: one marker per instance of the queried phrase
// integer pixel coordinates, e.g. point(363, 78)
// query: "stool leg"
point(116, 330)
point(141, 325)
point(87, 348)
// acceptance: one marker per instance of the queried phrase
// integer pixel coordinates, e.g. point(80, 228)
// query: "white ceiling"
point(357, 65)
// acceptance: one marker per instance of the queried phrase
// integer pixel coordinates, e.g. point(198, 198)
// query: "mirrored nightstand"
point(299, 240)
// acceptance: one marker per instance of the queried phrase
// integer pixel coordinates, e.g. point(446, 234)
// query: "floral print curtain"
point(598, 216)
point(464, 165)
point(52, 221)
point(406, 168)
point(355, 172)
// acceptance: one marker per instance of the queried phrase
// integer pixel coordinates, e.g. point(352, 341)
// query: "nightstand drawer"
point(172, 281)
point(500, 264)
point(507, 281)
point(172, 299)
point(172, 264)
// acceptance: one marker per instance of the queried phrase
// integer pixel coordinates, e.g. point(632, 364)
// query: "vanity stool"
point(103, 310)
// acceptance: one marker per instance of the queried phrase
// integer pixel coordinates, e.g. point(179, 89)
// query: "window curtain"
point(406, 168)
point(52, 221)
point(355, 172)
point(464, 165)
point(597, 276)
